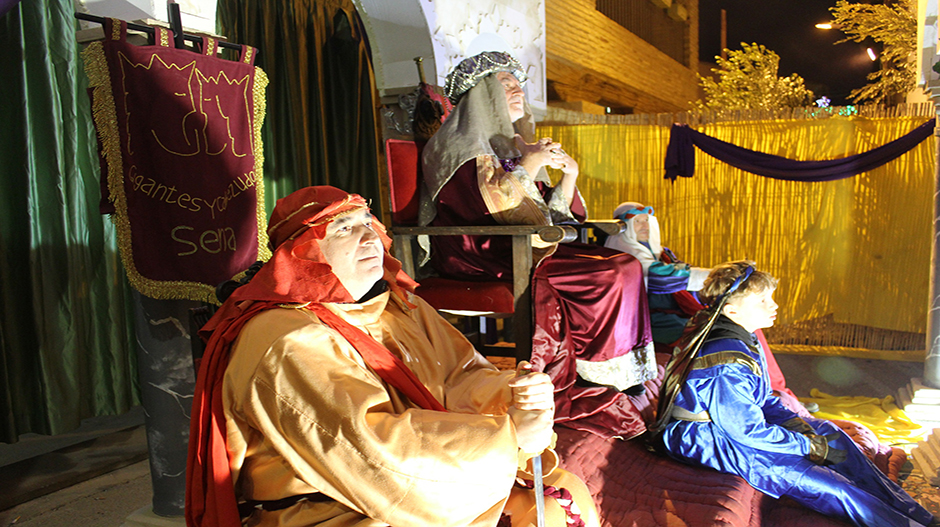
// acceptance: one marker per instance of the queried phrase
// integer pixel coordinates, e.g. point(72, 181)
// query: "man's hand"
point(567, 164)
point(538, 154)
point(533, 429)
point(546, 152)
point(532, 390)
point(533, 408)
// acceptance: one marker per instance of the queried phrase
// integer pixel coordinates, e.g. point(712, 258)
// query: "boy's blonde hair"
point(722, 276)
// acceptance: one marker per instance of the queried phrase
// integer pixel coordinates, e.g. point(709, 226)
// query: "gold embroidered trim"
point(509, 203)
point(726, 357)
point(328, 219)
point(164, 37)
point(294, 306)
point(115, 29)
point(321, 221)
point(210, 46)
point(298, 211)
point(249, 52)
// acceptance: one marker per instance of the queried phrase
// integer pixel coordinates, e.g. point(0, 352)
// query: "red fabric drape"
point(777, 380)
point(589, 305)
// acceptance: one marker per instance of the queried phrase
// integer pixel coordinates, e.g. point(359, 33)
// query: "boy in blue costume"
point(716, 409)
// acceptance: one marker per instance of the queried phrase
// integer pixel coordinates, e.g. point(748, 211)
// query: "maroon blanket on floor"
point(634, 487)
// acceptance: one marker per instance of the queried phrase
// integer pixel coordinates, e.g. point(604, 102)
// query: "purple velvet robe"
point(590, 304)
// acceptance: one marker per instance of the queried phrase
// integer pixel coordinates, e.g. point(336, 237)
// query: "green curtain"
point(66, 349)
point(321, 106)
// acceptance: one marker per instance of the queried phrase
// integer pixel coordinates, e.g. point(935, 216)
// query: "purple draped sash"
point(680, 157)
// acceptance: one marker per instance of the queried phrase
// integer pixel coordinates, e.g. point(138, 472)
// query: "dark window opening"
point(662, 27)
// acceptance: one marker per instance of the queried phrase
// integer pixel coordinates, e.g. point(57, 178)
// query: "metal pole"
point(724, 34)
point(932, 361)
point(176, 23)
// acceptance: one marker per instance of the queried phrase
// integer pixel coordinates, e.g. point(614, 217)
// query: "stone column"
point(932, 361)
point(921, 398)
point(167, 381)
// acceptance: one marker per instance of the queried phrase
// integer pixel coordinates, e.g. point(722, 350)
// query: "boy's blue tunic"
point(729, 387)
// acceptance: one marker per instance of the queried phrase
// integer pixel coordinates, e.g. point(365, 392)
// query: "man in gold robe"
point(331, 395)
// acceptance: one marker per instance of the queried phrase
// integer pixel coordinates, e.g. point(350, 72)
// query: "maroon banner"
point(180, 136)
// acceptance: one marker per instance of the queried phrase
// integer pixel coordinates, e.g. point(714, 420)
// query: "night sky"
point(787, 27)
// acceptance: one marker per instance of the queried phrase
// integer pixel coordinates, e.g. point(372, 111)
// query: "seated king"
point(330, 394)
point(485, 167)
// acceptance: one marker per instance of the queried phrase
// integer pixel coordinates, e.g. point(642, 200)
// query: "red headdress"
point(296, 274)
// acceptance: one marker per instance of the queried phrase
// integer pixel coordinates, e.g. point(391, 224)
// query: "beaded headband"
point(473, 69)
point(738, 282)
point(635, 212)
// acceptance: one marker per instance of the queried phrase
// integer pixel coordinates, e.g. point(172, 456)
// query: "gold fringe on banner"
point(260, 109)
point(855, 251)
point(104, 114)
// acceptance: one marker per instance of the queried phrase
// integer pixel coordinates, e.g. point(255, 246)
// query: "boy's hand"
point(821, 453)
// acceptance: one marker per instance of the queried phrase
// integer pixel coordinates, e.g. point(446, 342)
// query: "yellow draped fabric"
point(882, 416)
point(858, 248)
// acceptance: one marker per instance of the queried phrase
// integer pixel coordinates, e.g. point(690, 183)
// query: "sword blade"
point(538, 486)
point(539, 490)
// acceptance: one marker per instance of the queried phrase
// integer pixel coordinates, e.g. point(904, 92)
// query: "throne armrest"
point(521, 263)
point(609, 227)
point(547, 233)
point(601, 230)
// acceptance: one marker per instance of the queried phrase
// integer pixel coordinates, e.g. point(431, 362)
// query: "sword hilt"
point(537, 480)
